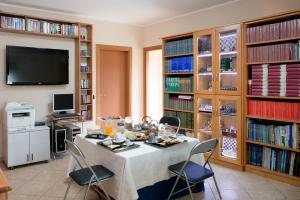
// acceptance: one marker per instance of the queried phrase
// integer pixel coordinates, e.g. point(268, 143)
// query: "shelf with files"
point(272, 68)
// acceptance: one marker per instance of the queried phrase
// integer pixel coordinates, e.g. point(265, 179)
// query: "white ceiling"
point(133, 12)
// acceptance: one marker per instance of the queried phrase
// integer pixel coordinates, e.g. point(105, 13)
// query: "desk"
point(136, 168)
point(4, 186)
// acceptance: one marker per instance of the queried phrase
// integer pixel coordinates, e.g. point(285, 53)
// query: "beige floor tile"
point(265, 195)
point(284, 186)
point(23, 197)
point(291, 195)
point(51, 176)
point(21, 173)
point(237, 194)
point(200, 196)
point(33, 188)
point(260, 184)
point(58, 190)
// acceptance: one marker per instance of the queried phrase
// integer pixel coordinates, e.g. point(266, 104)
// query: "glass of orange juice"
point(108, 129)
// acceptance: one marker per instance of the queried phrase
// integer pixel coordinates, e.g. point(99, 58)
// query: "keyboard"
point(60, 115)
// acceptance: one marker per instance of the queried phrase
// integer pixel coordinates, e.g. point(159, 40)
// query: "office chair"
point(172, 121)
point(90, 175)
point(194, 173)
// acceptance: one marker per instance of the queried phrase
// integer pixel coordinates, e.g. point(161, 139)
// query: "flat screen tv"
point(36, 66)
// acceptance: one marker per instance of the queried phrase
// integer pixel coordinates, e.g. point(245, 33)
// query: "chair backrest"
point(173, 121)
point(77, 154)
point(207, 146)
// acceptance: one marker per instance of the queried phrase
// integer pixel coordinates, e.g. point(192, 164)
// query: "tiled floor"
point(46, 181)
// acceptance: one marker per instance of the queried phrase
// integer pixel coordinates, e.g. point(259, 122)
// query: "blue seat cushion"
point(194, 172)
point(83, 176)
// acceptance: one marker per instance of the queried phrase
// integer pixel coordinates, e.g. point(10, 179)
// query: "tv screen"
point(36, 66)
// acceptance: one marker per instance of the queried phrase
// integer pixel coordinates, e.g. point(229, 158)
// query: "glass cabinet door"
point(205, 61)
point(228, 60)
point(205, 119)
point(228, 128)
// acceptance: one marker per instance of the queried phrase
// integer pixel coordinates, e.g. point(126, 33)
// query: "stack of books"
point(15, 23)
point(85, 98)
point(182, 102)
point(184, 46)
point(186, 119)
point(259, 84)
point(84, 84)
point(86, 114)
point(276, 52)
point(275, 31)
point(274, 109)
point(180, 64)
point(275, 80)
point(179, 84)
point(282, 135)
point(273, 159)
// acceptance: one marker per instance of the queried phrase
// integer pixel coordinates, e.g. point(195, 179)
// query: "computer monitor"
point(63, 102)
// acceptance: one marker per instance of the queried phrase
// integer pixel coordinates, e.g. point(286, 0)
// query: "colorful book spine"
point(15, 23)
point(183, 46)
point(274, 159)
point(179, 64)
point(274, 31)
point(186, 119)
point(179, 84)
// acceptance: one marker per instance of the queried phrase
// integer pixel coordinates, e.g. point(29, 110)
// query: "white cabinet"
point(28, 146)
point(18, 148)
point(39, 145)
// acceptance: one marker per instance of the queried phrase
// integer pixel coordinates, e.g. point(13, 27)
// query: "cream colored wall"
point(40, 96)
point(227, 14)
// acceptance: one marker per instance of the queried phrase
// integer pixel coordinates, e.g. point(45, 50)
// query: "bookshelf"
point(85, 61)
point(218, 111)
point(178, 79)
point(79, 32)
point(272, 96)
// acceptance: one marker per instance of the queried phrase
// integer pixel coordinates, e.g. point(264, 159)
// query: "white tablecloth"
point(136, 168)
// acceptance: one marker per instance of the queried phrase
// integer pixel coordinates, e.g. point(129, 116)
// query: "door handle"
point(32, 156)
point(27, 157)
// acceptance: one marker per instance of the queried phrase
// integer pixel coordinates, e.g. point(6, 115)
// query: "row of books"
point(275, 31)
point(86, 114)
point(180, 64)
point(274, 109)
point(179, 84)
point(282, 135)
point(42, 26)
point(274, 159)
point(182, 102)
point(186, 119)
point(275, 80)
point(85, 83)
point(85, 98)
point(15, 23)
point(276, 52)
point(184, 46)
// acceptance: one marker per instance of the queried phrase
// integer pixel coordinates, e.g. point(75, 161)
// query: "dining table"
point(135, 169)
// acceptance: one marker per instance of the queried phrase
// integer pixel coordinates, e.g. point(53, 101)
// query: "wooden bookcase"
point(85, 63)
point(261, 66)
point(218, 111)
point(79, 32)
point(178, 70)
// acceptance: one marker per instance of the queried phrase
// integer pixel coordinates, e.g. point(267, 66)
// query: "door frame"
point(145, 50)
point(101, 47)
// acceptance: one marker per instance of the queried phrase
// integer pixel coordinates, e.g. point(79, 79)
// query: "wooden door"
point(228, 60)
point(112, 83)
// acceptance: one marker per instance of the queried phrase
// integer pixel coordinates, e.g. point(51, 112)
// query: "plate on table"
point(119, 147)
point(118, 141)
point(165, 143)
point(96, 136)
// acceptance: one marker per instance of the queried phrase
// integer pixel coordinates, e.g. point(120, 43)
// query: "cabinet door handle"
point(32, 156)
point(27, 157)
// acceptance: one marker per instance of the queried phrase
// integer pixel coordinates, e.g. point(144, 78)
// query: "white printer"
point(23, 142)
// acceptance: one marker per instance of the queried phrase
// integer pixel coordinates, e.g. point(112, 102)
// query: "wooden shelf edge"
point(179, 73)
point(178, 55)
point(168, 92)
point(273, 146)
point(273, 119)
point(272, 97)
point(273, 41)
point(273, 62)
point(273, 174)
point(177, 110)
